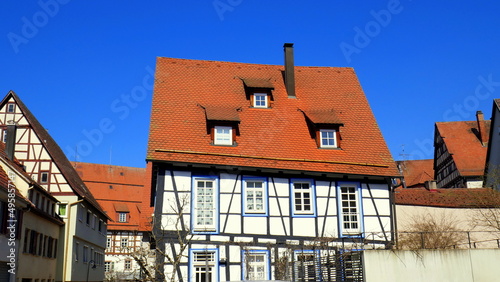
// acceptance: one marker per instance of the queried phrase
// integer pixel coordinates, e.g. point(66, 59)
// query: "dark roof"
point(55, 153)
point(274, 138)
point(448, 197)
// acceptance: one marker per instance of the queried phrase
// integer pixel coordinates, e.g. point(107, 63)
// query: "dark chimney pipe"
point(289, 70)
point(481, 127)
point(10, 142)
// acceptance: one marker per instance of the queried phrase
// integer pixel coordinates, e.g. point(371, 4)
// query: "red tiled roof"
point(462, 141)
point(417, 172)
point(277, 137)
point(117, 189)
point(449, 197)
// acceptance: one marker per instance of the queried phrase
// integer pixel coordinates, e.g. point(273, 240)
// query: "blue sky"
point(84, 68)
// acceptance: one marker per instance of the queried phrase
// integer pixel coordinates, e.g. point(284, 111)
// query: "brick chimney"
point(481, 127)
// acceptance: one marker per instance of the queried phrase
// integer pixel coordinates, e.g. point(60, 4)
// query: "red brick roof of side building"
point(119, 189)
point(462, 139)
point(417, 172)
point(448, 197)
point(188, 92)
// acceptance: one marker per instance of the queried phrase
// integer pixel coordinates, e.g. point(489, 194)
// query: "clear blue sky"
point(84, 67)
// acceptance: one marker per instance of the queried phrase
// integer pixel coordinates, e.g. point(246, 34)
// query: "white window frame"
point(127, 265)
point(201, 208)
point(108, 242)
point(109, 266)
point(124, 243)
point(328, 138)
point(306, 197)
point(197, 265)
point(256, 101)
point(350, 209)
point(223, 138)
point(122, 217)
point(254, 196)
point(85, 254)
point(251, 267)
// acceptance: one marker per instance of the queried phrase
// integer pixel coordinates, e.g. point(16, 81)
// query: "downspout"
point(66, 241)
point(394, 223)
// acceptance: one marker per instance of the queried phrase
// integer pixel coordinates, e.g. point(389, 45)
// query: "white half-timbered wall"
point(29, 150)
point(271, 234)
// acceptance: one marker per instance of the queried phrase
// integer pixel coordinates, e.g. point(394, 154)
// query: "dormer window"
point(223, 135)
point(222, 124)
point(328, 138)
point(324, 127)
point(260, 100)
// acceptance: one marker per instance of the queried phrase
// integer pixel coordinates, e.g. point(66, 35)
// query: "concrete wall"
point(432, 265)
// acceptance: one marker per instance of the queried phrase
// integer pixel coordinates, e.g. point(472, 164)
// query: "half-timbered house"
point(119, 190)
point(460, 149)
point(265, 172)
point(84, 239)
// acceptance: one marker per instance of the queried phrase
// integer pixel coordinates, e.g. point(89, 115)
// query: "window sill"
point(224, 145)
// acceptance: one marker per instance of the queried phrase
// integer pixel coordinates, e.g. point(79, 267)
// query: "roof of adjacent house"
point(417, 172)
point(55, 153)
point(118, 189)
point(463, 143)
point(278, 137)
point(448, 197)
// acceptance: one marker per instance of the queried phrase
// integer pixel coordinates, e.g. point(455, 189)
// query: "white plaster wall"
point(432, 265)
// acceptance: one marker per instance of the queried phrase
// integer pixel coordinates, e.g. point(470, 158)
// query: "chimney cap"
point(288, 45)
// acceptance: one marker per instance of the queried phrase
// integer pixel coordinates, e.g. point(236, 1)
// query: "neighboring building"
point(467, 216)
point(416, 172)
point(35, 225)
point(119, 190)
point(269, 172)
point(492, 169)
point(460, 152)
point(85, 221)
point(10, 237)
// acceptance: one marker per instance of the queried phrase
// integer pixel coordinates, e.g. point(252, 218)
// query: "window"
point(62, 209)
point(100, 226)
point(205, 204)
point(260, 100)
point(302, 197)
point(255, 196)
point(256, 265)
point(124, 242)
point(109, 266)
point(122, 217)
point(306, 266)
point(349, 205)
point(4, 136)
point(85, 254)
point(89, 215)
point(11, 107)
point(108, 243)
point(223, 135)
point(77, 249)
point(44, 177)
point(203, 265)
point(128, 264)
point(94, 221)
point(81, 210)
point(328, 138)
